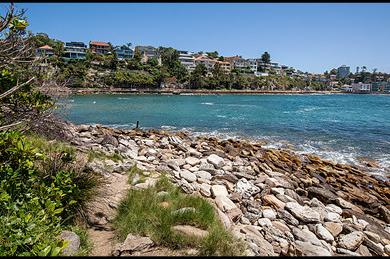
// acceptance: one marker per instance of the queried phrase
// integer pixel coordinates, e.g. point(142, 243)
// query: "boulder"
point(304, 214)
point(203, 175)
point(219, 190)
point(269, 214)
point(323, 233)
point(334, 228)
point(246, 188)
point(306, 235)
point(351, 241)
point(190, 177)
point(192, 161)
point(217, 161)
point(109, 139)
point(132, 244)
point(205, 189)
point(73, 242)
point(273, 201)
point(190, 231)
point(308, 249)
point(224, 203)
point(332, 217)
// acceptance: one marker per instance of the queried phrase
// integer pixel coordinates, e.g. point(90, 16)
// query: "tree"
point(213, 54)
point(266, 58)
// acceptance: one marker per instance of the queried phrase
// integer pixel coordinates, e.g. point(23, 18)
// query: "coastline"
point(279, 202)
point(82, 91)
point(167, 91)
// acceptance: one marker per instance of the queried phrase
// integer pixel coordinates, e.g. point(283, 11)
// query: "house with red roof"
point(99, 47)
point(44, 51)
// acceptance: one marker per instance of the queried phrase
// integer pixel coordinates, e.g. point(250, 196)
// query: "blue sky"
point(310, 37)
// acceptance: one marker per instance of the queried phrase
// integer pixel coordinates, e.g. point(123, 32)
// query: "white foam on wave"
point(125, 125)
point(167, 127)
point(221, 116)
point(207, 103)
point(123, 98)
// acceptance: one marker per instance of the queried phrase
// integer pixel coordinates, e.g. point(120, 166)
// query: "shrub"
point(34, 200)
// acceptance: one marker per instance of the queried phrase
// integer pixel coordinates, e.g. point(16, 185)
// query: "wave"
point(123, 98)
point(207, 103)
point(241, 105)
point(167, 127)
point(221, 116)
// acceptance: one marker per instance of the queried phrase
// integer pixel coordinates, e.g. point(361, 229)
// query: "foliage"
point(266, 57)
point(156, 220)
point(38, 192)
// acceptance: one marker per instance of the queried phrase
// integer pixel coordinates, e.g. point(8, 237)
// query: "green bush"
point(33, 201)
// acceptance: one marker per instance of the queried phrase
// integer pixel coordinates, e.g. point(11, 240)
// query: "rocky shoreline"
point(279, 202)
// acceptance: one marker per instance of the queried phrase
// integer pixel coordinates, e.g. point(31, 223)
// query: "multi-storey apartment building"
point(99, 47)
point(123, 52)
point(187, 59)
point(75, 50)
point(343, 71)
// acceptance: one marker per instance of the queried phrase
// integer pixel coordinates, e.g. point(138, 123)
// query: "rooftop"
point(99, 43)
point(45, 47)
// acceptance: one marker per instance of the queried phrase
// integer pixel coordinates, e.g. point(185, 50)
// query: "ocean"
point(339, 127)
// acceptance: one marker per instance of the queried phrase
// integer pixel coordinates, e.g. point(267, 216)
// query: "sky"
point(310, 37)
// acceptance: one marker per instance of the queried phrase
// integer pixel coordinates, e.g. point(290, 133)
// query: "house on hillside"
point(44, 51)
point(75, 50)
point(187, 59)
point(123, 52)
point(99, 47)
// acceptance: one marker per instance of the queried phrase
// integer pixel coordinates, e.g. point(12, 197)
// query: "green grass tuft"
point(141, 213)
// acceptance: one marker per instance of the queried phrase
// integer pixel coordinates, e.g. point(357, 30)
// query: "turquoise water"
point(337, 127)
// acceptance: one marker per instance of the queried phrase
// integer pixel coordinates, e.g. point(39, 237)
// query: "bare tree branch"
point(15, 88)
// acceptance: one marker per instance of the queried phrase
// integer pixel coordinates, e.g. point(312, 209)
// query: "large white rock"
point(334, 208)
point(308, 249)
point(224, 203)
point(205, 189)
point(269, 214)
point(203, 174)
point(323, 233)
point(219, 190)
point(352, 240)
point(192, 161)
point(306, 235)
point(217, 161)
point(332, 217)
point(304, 214)
point(190, 177)
point(246, 188)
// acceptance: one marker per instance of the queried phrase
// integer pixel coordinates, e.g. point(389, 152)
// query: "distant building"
point(44, 51)
point(361, 87)
point(187, 59)
point(225, 66)
point(205, 60)
point(123, 52)
point(346, 88)
point(343, 71)
point(75, 50)
point(332, 77)
point(148, 51)
point(380, 87)
point(99, 47)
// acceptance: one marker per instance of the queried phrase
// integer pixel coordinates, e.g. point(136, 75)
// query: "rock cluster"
point(279, 202)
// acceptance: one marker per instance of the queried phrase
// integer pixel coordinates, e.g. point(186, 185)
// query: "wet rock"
point(304, 214)
point(73, 242)
point(351, 241)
